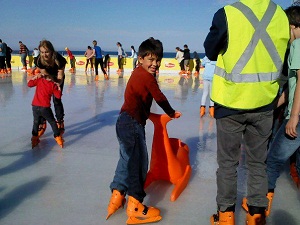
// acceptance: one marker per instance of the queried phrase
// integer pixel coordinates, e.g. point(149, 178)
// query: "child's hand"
point(177, 114)
point(290, 128)
point(39, 75)
point(57, 84)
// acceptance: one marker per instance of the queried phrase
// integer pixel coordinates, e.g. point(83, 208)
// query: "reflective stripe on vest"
point(247, 78)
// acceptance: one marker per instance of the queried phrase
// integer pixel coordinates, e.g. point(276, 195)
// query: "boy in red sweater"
point(41, 107)
point(131, 171)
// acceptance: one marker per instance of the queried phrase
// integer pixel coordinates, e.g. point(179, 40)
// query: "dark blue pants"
point(132, 168)
point(46, 113)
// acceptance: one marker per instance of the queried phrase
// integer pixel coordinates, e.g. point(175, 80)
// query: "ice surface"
point(53, 186)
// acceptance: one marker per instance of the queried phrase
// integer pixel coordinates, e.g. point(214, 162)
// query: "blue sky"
point(76, 23)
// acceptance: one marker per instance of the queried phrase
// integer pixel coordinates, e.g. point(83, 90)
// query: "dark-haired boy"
point(131, 171)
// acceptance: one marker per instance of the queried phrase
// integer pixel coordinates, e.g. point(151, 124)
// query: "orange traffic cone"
point(169, 157)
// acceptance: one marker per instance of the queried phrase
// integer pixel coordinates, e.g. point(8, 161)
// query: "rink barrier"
point(168, 65)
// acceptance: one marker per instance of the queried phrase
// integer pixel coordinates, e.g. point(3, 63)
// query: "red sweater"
point(45, 88)
point(141, 88)
point(23, 49)
point(70, 54)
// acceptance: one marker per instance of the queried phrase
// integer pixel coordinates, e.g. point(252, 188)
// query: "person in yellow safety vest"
point(248, 39)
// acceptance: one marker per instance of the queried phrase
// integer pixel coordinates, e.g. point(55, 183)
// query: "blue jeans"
point(23, 59)
point(132, 168)
point(253, 130)
point(280, 151)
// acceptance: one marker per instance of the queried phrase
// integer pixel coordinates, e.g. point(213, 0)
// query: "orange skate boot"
point(256, 219)
point(138, 213)
point(212, 111)
point(42, 128)
point(202, 110)
point(222, 218)
point(270, 196)
point(34, 141)
point(117, 200)
point(60, 141)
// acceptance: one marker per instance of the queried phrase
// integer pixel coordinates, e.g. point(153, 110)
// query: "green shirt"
point(294, 65)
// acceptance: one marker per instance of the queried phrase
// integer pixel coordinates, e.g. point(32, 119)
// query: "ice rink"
point(48, 185)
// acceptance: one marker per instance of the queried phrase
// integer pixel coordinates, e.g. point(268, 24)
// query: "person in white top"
point(179, 58)
point(134, 56)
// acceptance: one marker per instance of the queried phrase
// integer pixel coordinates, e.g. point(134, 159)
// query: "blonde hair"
point(53, 60)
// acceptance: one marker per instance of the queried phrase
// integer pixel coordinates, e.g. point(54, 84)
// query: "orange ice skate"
point(222, 218)
point(117, 200)
point(139, 214)
point(270, 196)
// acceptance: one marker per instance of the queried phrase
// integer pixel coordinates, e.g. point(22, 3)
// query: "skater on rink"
point(132, 167)
point(249, 40)
point(41, 106)
point(286, 141)
point(52, 63)
point(207, 80)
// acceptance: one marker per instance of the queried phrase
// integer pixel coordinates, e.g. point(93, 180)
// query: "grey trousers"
point(254, 129)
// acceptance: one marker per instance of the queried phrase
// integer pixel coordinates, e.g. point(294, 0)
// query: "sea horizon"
point(115, 53)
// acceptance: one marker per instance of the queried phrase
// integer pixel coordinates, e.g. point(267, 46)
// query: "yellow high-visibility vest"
point(246, 75)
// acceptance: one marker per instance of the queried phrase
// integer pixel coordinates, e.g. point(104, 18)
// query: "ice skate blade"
point(141, 220)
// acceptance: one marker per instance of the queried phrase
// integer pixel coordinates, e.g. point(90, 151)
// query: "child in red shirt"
point(132, 168)
point(41, 107)
point(72, 59)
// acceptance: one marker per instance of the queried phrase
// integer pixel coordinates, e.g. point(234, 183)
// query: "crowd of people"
point(95, 57)
point(242, 91)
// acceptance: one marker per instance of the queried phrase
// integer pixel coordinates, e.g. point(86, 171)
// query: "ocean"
point(115, 53)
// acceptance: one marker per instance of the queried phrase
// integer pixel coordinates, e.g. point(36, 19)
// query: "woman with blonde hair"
point(52, 63)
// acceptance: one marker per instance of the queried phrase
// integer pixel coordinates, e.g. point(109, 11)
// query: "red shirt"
point(141, 88)
point(45, 88)
point(70, 54)
point(23, 49)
